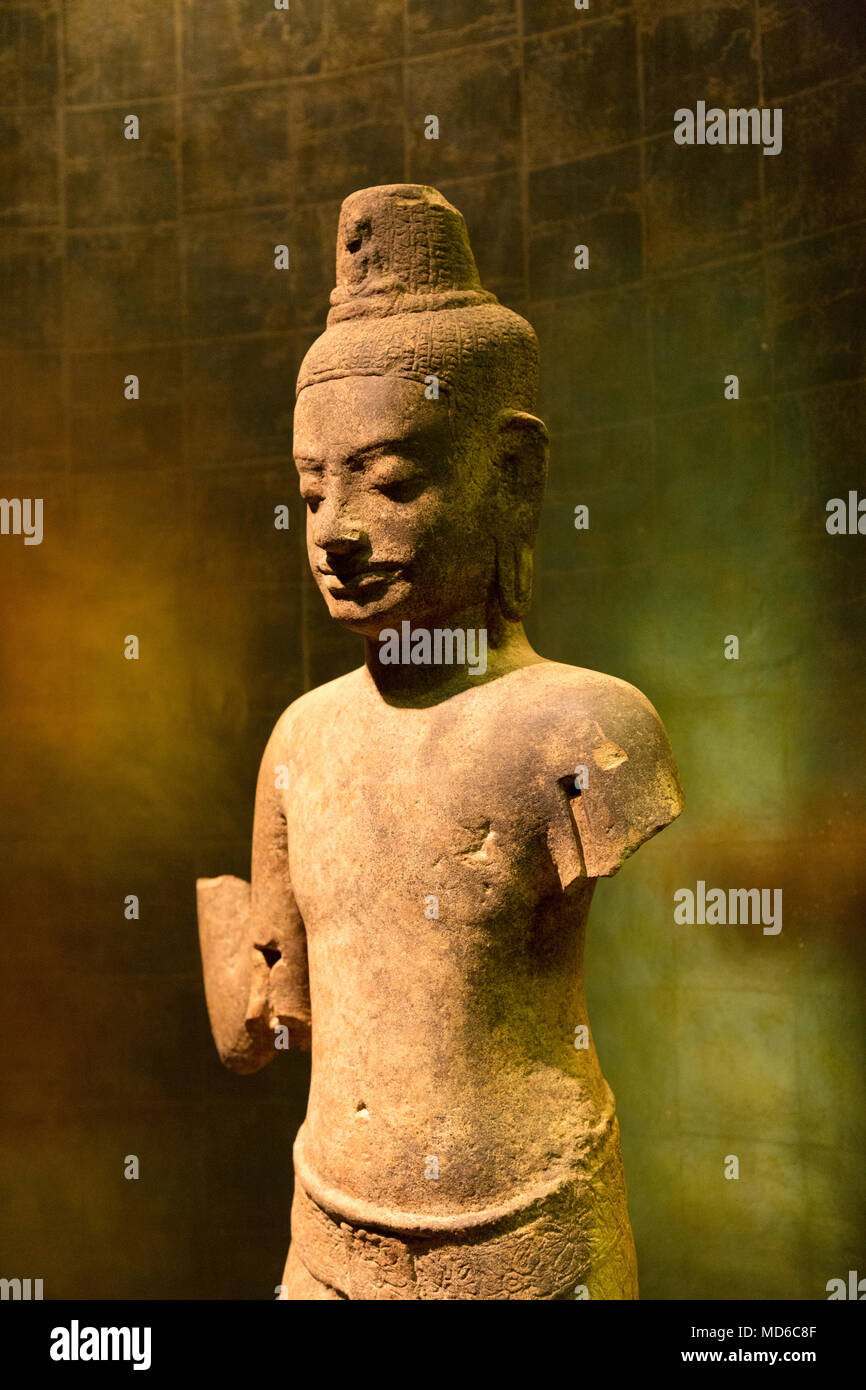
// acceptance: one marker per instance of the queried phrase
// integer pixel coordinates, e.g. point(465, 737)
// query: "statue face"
point(398, 515)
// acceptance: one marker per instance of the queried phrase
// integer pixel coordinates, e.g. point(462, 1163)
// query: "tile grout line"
point(62, 230)
point(768, 316)
point(537, 601)
point(523, 167)
point(652, 427)
point(770, 327)
point(182, 244)
point(310, 79)
point(304, 607)
point(404, 69)
point(648, 307)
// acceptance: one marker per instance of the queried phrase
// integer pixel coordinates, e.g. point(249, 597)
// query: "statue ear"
point(520, 457)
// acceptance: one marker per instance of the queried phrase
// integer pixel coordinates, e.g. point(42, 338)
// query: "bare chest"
point(404, 828)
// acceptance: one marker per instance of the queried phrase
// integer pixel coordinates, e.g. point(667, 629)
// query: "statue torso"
point(435, 863)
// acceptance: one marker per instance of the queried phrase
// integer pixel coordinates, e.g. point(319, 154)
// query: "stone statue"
point(429, 828)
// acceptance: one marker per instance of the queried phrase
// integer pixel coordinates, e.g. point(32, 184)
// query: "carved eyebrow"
point(404, 464)
point(407, 446)
point(368, 453)
point(384, 446)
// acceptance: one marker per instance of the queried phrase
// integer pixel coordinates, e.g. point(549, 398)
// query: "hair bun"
point(402, 248)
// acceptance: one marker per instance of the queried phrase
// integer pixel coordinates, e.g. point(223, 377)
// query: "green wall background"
point(706, 519)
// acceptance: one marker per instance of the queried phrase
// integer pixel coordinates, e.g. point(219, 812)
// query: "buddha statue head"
point(420, 459)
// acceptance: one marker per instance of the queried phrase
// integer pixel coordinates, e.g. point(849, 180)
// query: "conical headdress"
point(409, 300)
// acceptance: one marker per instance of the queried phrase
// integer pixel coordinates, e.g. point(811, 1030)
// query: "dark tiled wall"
point(155, 257)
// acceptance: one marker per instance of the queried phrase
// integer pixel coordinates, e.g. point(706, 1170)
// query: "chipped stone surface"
point(457, 1143)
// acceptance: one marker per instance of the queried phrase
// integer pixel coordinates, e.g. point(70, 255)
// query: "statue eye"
point(402, 489)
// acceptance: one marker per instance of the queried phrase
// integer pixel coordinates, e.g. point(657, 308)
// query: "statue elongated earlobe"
point(522, 461)
point(514, 568)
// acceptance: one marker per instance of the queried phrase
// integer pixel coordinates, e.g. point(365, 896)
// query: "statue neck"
point(412, 666)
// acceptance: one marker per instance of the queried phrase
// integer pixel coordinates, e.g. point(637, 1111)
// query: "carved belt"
point(578, 1236)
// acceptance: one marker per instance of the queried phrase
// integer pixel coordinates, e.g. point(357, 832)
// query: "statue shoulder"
point(610, 752)
point(592, 695)
point(314, 712)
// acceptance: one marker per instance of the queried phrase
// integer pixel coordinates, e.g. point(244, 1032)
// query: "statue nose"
point(340, 540)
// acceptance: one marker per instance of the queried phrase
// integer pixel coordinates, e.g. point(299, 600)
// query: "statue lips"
point(358, 582)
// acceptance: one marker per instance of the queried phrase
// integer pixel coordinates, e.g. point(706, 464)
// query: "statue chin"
point(367, 619)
